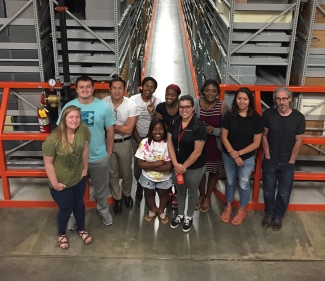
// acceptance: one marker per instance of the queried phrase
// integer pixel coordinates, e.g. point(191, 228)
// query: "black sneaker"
point(118, 207)
point(128, 202)
point(176, 221)
point(187, 225)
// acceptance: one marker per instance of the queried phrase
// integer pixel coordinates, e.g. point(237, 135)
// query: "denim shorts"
point(146, 183)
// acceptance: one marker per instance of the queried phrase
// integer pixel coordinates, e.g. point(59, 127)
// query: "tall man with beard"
point(282, 139)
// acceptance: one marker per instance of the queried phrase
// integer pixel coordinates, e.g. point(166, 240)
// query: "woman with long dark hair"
point(65, 153)
point(241, 135)
point(153, 159)
point(186, 138)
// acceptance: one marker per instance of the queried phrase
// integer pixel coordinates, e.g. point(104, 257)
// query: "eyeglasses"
point(115, 114)
point(282, 99)
point(187, 107)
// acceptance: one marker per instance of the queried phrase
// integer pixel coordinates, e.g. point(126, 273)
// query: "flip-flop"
point(149, 217)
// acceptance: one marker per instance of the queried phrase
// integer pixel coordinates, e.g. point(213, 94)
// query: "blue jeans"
point(243, 173)
point(70, 200)
point(275, 207)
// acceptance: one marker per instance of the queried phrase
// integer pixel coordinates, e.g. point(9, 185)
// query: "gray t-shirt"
point(282, 132)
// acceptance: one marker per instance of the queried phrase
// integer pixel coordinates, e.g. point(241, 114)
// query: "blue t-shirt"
point(97, 115)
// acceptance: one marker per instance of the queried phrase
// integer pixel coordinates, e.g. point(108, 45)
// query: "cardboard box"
point(102, 93)
point(295, 79)
point(257, 16)
point(318, 39)
point(306, 13)
point(305, 149)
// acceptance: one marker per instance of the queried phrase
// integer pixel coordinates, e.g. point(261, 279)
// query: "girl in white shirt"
point(153, 159)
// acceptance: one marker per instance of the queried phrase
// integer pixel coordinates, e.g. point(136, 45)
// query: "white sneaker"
point(72, 223)
point(107, 217)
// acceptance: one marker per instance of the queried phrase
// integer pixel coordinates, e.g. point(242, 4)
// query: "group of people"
point(182, 143)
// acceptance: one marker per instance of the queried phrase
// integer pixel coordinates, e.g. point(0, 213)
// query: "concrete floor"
point(132, 249)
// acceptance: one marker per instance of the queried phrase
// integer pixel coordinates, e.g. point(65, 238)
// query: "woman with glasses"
point(241, 135)
point(186, 138)
point(166, 111)
point(209, 108)
point(146, 103)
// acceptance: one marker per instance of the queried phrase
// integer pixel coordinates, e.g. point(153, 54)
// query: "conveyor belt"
point(168, 61)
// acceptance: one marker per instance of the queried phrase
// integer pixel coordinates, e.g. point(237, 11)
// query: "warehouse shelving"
point(101, 46)
point(242, 51)
point(25, 45)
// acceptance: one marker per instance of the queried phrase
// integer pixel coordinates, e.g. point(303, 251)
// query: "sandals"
point(85, 235)
point(150, 216)
point(225, 216)
point(205, 205)
point(199, 203)
point(163, 218)
point(62, 241)
point(238, 219)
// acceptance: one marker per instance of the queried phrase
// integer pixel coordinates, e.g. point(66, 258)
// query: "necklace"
point(180, 134)
point(170, 109)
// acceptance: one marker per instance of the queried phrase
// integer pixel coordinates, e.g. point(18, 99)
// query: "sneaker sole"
point(173, 226)
point(186, 230)
point(71, 228)
point(276, 229)
point(266, 226)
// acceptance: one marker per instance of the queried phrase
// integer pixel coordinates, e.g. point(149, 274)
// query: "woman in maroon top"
point(209, 108)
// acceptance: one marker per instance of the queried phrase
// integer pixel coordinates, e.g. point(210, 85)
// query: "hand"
point(59, 186)
point(292, 162)
point(151, 106)
point(234, 154)
point(159, 163)
point(209, 129)
point(239, 161)
point(179, 168)
point(84, 173)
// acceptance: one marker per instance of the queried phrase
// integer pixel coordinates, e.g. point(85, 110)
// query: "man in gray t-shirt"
point(282, 139)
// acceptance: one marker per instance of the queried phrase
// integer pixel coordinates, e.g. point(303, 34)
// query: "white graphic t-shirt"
point(151, 153)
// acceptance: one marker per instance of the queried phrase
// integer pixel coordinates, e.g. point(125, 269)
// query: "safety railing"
point(308, 139)
point(5, 173)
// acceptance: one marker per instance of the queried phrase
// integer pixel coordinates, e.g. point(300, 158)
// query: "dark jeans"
point(70, 200)
point(275, 207)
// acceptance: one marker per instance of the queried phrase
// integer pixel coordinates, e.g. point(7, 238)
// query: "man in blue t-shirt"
point(100, 120)
point(282, 139)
